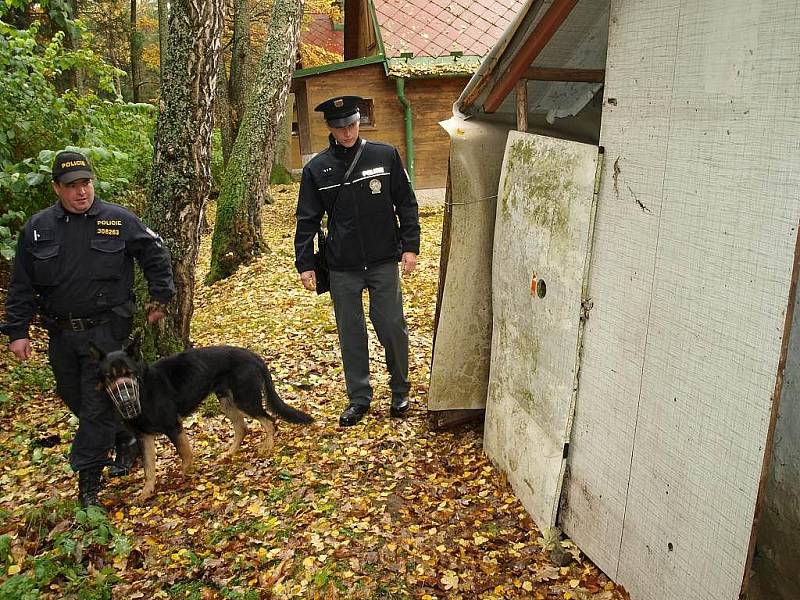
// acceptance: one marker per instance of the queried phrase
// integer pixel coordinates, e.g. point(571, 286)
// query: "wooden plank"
point(635, 137)
point(714, 346)
point(460, 365)
point(778, 514)
point(450, 419)
point(540, 249)
point(550, 74)
point(701, 238)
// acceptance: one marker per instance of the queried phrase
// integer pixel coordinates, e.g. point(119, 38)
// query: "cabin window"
point(366, 108)
point(295, 122)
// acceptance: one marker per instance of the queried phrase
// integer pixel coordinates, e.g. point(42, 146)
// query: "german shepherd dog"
point(155, 398)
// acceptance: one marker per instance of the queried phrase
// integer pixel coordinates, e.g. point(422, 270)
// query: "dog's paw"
point(144, 495)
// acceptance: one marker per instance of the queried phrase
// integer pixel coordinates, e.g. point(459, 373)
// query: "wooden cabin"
point(409, 60)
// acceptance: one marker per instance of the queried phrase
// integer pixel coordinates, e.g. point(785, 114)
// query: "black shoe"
point(126, 456)
point(352, 415)
point(400, 406)
point(90, 482)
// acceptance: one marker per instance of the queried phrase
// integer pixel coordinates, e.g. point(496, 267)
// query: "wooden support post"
point(522, 105)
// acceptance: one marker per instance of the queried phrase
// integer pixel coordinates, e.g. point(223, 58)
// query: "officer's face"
point(345, 136)
point(76, 196)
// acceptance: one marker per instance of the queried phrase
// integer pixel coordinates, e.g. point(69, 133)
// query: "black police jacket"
point(81, 265)
point(375, 215)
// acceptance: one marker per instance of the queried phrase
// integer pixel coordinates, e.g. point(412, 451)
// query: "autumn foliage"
point(387, 509)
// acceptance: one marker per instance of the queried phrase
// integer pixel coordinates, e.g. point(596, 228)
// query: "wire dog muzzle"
point(124, 393)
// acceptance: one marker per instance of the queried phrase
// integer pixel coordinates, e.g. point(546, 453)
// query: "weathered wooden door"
point(542, 242)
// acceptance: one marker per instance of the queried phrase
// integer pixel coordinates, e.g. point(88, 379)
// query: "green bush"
point(38, 120)
point(9, 222)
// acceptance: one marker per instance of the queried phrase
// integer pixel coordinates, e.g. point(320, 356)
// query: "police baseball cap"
point(71, 166)
point(340, 111)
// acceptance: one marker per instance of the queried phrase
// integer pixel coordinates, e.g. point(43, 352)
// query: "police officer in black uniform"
point(373, 223)
point(74, 266)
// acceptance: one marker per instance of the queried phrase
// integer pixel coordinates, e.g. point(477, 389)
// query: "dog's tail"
point(278, 406)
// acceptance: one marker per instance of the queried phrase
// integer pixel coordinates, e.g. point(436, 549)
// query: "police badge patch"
point(375, 185)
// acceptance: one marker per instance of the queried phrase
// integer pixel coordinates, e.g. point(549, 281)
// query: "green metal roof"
point(347, 64)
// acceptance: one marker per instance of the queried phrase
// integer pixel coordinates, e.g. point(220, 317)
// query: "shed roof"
point(435, 28)
point(323, 33)
point(579, 43)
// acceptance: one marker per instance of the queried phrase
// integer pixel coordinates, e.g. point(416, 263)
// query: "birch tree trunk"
point(237, 232)
point(181, 176)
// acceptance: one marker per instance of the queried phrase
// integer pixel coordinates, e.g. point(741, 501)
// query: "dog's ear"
point(95, 352)
point(132, 349)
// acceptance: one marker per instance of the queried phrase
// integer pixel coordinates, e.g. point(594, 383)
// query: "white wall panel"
point(540, 250)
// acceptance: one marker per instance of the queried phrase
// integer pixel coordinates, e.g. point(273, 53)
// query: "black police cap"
point(340, 111)
point(71, 166)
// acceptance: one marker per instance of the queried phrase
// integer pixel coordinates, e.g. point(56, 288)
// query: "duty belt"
point(77, 324)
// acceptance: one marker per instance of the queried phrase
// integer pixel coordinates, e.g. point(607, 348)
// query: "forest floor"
point(386, 509)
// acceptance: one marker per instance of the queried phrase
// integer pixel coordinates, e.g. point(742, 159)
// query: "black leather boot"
point(399, 406)
point(90, 482)
point(352, 415)
point(127, 453)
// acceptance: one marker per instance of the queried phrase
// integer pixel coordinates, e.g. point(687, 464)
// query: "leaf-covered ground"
point(386, 509)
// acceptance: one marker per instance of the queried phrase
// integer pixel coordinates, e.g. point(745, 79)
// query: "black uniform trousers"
point(75, 372)
point(386, 313)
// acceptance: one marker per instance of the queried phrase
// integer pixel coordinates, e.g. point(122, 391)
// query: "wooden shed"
point(630, 172)
point(409, 60)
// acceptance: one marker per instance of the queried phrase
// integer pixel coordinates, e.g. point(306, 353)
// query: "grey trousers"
point(386, 313)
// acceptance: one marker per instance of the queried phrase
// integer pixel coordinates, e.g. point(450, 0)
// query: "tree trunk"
point(181, 176)
point(75, 74)
point(136, 54)
point(222, 112)
point(163, 34)
point(240, 63)
point(232, 91)
point(282, 164)
point(237, 232)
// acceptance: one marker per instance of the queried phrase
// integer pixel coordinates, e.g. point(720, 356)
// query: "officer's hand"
point(408, 262)
point(21, 348)
point(155, 311)
point(309, 280)
point(154, 315)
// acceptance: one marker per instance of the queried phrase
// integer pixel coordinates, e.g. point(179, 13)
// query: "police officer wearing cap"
point(373, 223)
point(74, 266)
